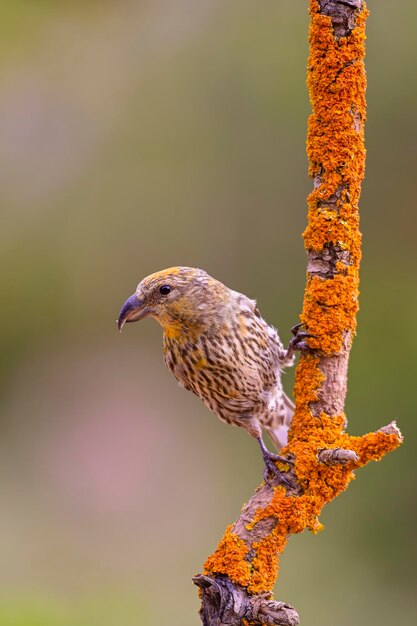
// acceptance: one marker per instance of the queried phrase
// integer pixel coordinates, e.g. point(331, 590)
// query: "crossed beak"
point(133, 310)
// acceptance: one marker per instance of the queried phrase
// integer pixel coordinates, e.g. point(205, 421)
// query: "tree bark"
point(239, 577)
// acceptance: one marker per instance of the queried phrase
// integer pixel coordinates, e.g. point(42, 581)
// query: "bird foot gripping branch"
point(298, 340)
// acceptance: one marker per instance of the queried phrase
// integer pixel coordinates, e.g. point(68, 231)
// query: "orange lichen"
point(265, 564)
point(307, 429)
point(293, 515)
point(336, 153)
point(329, 309)
point(373, 446)
point(229, 558)
point(335, 146)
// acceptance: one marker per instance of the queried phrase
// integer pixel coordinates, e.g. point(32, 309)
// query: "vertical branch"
point(335, 147)
point(239, 576)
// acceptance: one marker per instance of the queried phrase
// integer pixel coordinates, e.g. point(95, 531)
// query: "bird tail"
point(279, 432)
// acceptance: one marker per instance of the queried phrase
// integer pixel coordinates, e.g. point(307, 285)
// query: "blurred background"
point(137, 135)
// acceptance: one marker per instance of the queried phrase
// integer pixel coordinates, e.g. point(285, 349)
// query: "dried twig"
point(239, 577)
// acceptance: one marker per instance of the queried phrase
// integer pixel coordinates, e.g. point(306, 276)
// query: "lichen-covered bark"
point(239, 576)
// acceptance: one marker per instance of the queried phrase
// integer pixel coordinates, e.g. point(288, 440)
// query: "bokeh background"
point(137, 135)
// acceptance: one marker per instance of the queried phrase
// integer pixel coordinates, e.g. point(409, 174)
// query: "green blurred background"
point(137, 135)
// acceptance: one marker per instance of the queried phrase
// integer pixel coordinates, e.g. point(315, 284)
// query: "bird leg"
point(270, 460)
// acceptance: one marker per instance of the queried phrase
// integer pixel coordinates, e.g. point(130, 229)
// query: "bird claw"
point(270, 460)
point(296, 328)
point(298, 342)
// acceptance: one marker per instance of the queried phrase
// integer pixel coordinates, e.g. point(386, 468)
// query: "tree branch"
point(337, 456)
point(239, 577)
point(220, 595)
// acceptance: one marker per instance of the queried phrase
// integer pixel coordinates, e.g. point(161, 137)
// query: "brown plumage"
point(218, 346)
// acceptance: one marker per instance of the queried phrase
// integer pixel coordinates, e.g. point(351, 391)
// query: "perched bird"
point(218, 346)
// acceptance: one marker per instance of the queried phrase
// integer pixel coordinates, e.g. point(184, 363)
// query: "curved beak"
point(133, 310)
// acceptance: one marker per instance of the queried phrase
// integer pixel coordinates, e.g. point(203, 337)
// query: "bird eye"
point(165, 289)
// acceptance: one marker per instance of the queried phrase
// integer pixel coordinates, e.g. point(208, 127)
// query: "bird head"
point(178, 298)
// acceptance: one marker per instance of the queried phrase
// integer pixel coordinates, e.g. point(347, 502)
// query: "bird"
point(217, 345)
